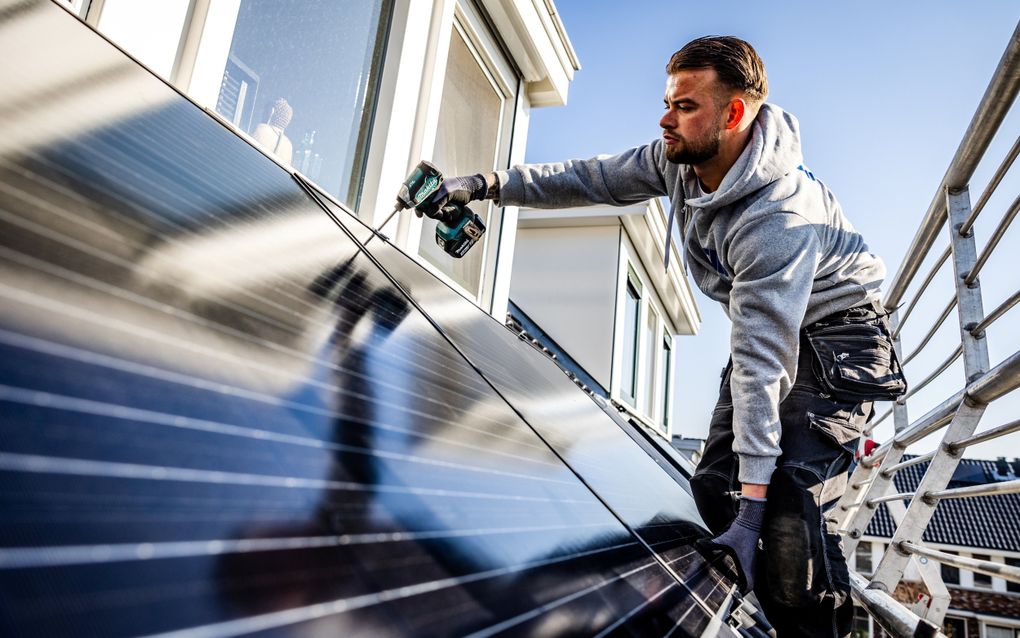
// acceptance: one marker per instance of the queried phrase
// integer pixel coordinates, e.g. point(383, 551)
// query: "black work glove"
point(740, 540)
point(454, 191)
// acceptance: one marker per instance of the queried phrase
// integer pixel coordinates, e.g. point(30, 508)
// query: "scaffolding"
point(958, 416)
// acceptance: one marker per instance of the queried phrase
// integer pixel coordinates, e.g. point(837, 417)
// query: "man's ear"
point(735, 111)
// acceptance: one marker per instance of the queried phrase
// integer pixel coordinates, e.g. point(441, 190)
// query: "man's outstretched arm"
point(631, 177)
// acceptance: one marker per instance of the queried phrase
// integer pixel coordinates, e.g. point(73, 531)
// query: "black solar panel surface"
point(218, 417)
point(651, 502)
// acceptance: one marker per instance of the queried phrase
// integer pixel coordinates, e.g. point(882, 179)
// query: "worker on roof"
point(810, 347)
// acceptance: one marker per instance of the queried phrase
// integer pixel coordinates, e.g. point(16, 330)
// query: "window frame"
point(651, 402)
point(868, 550)
point(195, 31)
point(633, 288)
point(484, 45)
point(666, 376)
point(986, 582)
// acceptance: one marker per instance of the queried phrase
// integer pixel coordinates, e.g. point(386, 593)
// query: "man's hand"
point(454, 190)
point(740, 541)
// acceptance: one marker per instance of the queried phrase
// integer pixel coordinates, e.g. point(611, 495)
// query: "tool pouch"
point(856, 362)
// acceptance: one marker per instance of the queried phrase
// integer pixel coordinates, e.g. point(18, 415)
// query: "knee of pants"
point(714, 504)
point(804, 562)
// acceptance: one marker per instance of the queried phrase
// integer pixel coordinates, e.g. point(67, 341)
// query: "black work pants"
point(802, 579)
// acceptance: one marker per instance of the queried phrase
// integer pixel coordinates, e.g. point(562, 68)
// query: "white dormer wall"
point(571, 274)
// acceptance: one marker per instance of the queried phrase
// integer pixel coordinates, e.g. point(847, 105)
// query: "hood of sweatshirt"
point(772, 151)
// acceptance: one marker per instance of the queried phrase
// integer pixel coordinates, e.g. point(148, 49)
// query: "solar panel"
point(652, 503)
point(220, 416)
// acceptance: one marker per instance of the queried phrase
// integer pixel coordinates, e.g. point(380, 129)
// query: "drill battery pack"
point(458, 238)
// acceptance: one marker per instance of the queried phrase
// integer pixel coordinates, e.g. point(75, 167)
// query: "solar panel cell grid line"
point(216, 389)
point(149, 410)
point(161, 307)
point(129, 233)
point(118, 413)
point(219, 416)
point(100, 320)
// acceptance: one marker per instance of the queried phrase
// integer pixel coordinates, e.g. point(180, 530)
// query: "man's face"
point(694, 121)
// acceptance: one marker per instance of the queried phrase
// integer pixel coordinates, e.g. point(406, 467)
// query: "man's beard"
point(695, 152)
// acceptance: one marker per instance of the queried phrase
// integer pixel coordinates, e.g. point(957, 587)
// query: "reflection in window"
point(149, 31)
point(950, 574)
point(861, 627)
point(467, 142)
point(650, 355)
point(667, 364)
point(631, 321)
point(982, 580)
point(863, 557)
point(995, 631)
point(300, 78)
point(954, 627)
point(1010, 585)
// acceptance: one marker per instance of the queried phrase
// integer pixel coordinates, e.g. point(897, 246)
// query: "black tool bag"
point(856, 362)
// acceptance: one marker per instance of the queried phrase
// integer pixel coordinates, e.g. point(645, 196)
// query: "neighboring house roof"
point(988, 522)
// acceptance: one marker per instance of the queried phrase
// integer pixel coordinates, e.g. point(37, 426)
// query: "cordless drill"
point(459, 229)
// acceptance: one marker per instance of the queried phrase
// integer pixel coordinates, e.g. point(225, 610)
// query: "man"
point(765, 238)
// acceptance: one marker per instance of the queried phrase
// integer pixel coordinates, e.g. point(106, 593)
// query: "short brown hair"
point(735, 62)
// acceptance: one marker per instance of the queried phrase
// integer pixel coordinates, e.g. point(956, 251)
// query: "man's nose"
point(667, 120)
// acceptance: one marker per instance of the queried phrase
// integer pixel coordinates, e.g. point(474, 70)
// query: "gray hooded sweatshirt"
point(771, 244)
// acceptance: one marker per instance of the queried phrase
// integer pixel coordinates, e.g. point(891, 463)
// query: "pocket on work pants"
point(803, 561)
point(856, 362)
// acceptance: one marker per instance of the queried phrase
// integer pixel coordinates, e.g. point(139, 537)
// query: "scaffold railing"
point(958, 416)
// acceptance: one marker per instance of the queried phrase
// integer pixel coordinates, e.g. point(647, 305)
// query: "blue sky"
point(884, 92)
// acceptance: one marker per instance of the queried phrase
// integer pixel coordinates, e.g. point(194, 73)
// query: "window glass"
point(467, 142)
point(300, 78)
point(950, 574)
point(667, 364)
point(861, 627)
point(995, 631)
point(954, 627)
point(1011, 586)
point(74, 6)
point(863, 557)
point(650, 356)
point(149, 31)
point(982, 580)
point(631, 321)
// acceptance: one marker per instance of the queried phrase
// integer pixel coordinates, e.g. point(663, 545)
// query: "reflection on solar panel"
point(220, 416)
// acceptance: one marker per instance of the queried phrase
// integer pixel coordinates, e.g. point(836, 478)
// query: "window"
point(631, 321)
point(862, 556)
point(667, 363)
point(954, 627)
point(650, 356)
point(950, 574)
point(982, 580)
point(472, 135)
point(1010, 585)
point(299, 77)
point(996, 631)
point(861, 627)
point(149, 31)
